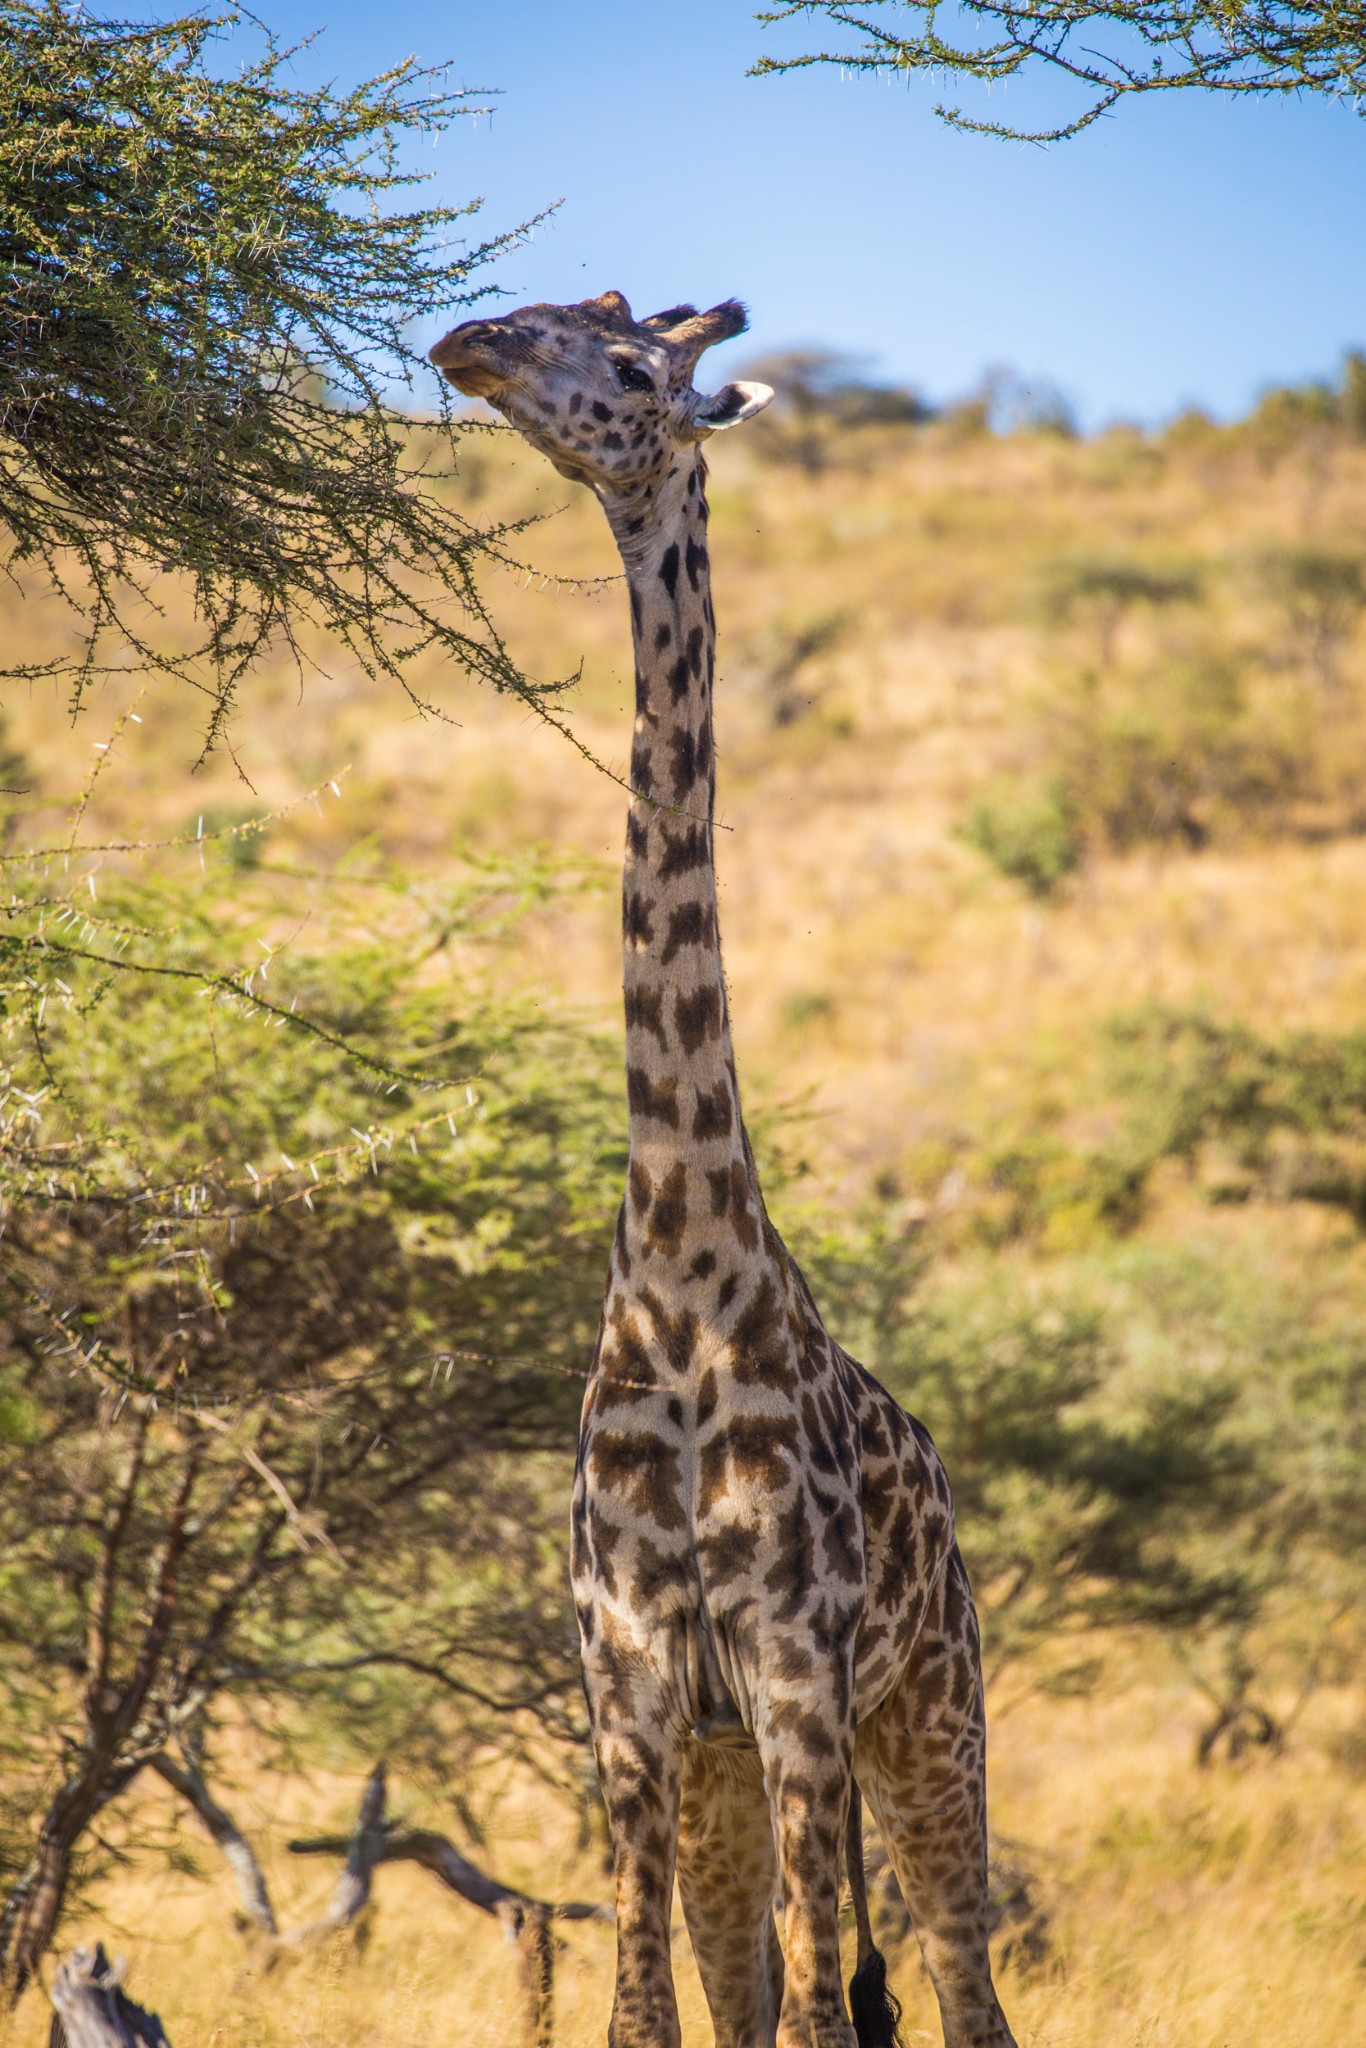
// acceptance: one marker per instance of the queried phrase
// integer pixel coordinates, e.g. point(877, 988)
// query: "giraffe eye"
point(631, 377)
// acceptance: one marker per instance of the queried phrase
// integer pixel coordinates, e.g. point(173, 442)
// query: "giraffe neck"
point(692, 1186)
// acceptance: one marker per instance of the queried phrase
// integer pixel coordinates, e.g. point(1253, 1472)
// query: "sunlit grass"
point(1199, 1908)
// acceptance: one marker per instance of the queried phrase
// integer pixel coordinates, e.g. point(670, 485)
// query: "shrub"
point(1029, 831)
point(1075, 1508)
point(302, 1270)
point(821, 402)
point(1322, 592)
point(1180, 751)
point(1103, 589)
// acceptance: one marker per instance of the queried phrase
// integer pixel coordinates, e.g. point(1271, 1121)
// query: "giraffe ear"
point(660, 323)
point(732, 404)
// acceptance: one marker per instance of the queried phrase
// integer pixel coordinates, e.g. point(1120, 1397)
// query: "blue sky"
point(1187, 250)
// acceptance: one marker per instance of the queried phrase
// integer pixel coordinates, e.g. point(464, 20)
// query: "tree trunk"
point(46, 1880)
point(91, 2010)
point(112, 1709)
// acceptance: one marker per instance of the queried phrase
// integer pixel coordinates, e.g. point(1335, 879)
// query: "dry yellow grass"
point(1184, 1909)
point(879, 963)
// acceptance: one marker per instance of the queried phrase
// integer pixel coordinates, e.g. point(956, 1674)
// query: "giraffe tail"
point(873, 2007)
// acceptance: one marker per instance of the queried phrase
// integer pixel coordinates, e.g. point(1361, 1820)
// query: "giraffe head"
point(608, 398)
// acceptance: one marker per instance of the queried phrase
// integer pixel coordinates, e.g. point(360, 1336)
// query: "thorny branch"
point(1257, 48)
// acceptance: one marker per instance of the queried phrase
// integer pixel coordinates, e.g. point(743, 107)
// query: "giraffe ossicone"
point(771, 1602)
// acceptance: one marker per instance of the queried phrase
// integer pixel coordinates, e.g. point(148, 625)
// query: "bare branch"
point(439, 1855)
point(364, 1849)
point(525, 1921)
point(106, 1576)
point(185, 1779)
point(163, 1610)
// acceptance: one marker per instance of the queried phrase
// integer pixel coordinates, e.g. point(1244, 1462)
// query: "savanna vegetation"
point(210, 279)
point(1042, 870)
point(1041, 886)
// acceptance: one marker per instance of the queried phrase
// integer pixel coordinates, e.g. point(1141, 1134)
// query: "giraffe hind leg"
point(922, 1763)
point(727, 1875)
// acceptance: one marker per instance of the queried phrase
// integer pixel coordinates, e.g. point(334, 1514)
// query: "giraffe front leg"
point(807, 1751)
point(922, 1763)
point(639, 1768)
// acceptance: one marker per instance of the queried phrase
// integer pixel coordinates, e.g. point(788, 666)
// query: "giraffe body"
point(769, 1594)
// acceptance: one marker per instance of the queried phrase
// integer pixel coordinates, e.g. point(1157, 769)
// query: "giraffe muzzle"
point(468, 358)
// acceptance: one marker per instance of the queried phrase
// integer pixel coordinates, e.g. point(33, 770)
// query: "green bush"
point(1245, 1118)
point(1250, 1116)
point(1286, 413)
point(1182, 751)
point(1154, 1441)
point(1100, 591)
point(1084, 1493)
point(302, 1271)
point(1029, 831)
point(1322, 594)
point(1176, 753)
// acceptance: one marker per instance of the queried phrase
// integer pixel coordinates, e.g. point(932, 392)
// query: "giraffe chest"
point(747, 1499)
point(709, 1431)
point(707, 1539)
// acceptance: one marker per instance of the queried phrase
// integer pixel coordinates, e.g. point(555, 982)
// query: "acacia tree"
point(284, 1425)
point(299, 1267)
point(1110, 49)
point(205, 291)
point(357, 1533)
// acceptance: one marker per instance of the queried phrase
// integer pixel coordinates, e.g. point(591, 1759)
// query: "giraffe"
point(773, 1610)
